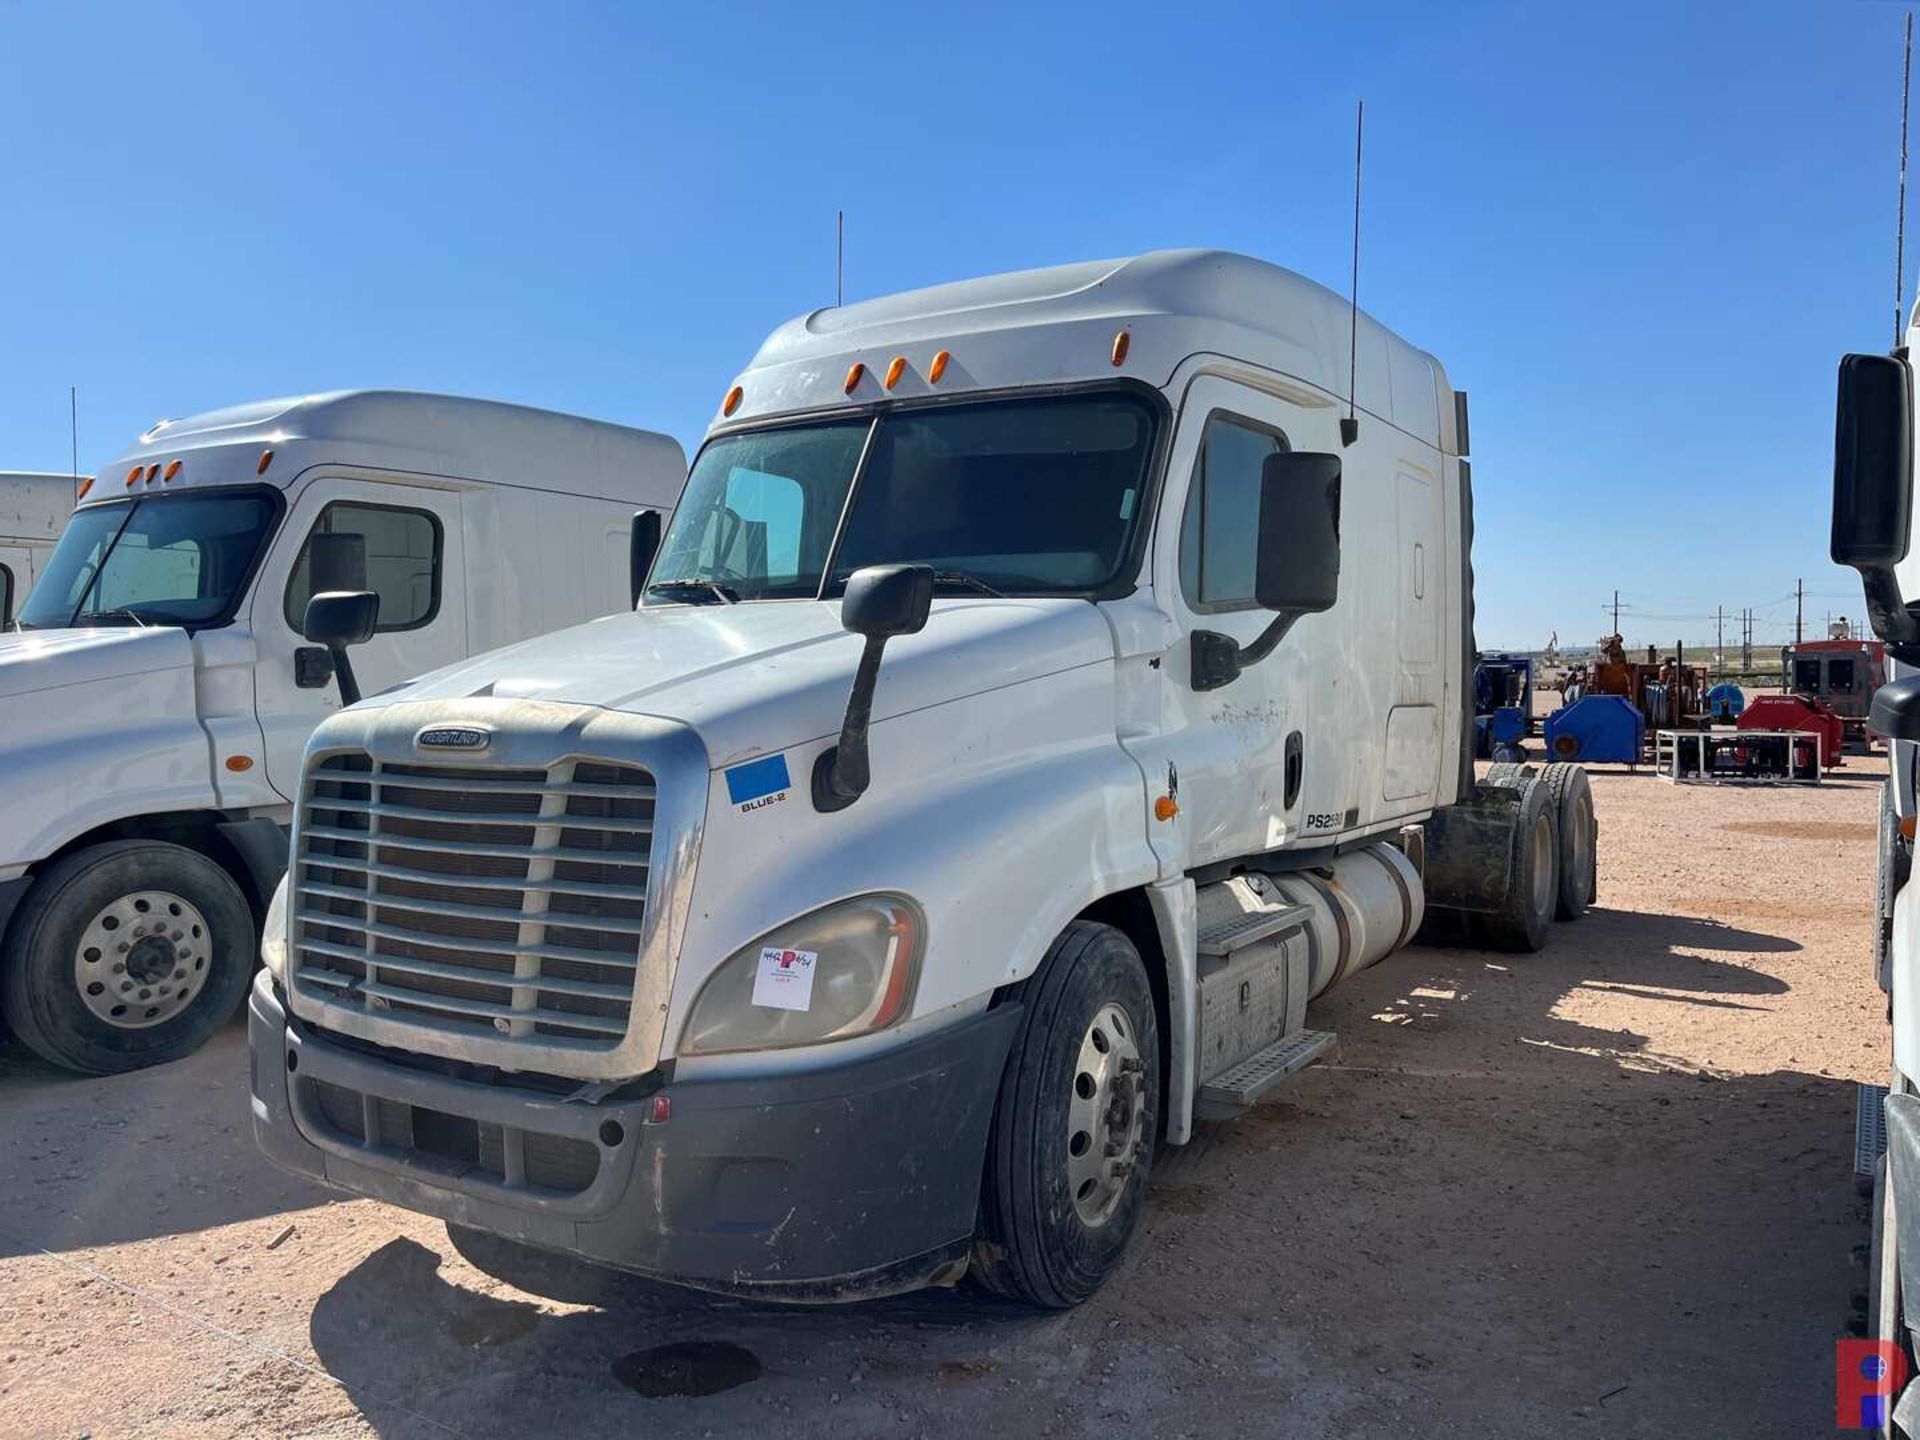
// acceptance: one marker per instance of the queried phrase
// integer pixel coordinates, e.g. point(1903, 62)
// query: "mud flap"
point(1470, 851)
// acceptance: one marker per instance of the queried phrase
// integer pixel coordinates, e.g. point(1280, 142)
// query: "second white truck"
point(34, 506)
point(158, 690)
point(1048, 684)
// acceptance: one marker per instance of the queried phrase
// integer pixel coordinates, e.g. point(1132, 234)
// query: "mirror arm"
point(343, 674)
point(1888, 615)
point(841, 774)
point(1218, 659)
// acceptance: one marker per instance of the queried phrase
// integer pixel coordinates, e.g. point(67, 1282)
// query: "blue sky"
point(1639, 235)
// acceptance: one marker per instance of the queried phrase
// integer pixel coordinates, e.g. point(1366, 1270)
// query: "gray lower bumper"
point(853, 1180)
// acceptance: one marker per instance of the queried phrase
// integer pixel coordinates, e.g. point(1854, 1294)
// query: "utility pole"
point(1719, 640)
point(1799, 597)
point(1616, 612)
point(1746, 642)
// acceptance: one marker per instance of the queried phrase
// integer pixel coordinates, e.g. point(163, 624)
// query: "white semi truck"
point(1048, 684)
point(33, 508)
point(157, 690)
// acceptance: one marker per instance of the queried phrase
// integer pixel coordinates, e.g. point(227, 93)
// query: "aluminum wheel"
point(1106, 1119)
point(142, 959)
point(1545, 877)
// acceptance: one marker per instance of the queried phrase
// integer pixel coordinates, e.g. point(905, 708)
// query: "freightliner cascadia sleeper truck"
point(1046, 686)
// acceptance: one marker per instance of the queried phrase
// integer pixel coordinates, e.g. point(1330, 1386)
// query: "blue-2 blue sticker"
point(757, 779)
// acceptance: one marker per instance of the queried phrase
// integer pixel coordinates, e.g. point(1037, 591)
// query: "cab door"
point(400, 540)
point(1242, 755)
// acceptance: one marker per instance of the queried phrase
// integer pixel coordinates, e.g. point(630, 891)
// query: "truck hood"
point(33, 660)
point(765, 675)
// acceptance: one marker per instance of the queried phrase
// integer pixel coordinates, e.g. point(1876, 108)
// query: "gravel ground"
point(1605, 1190)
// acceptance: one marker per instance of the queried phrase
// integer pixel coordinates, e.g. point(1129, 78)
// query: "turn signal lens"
point(1165, 808)
point(732, 402)
point(1121, 343)
point(854, 372)
point(896, 370)
point(239, 764)
point(938, 367)
point(1907, 827)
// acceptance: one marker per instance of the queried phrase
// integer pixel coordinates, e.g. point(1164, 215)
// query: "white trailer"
point(1045, 688)
point(157, 694)
point(33, 508)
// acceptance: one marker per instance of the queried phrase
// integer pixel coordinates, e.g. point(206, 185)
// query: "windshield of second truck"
point(165, 560)
point(1023, 496)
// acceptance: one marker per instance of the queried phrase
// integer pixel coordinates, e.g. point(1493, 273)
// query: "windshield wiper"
point(972, 582)
point(724, 594)
point(140, 620)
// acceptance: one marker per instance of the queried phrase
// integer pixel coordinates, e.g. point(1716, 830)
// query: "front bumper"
point(848, 1181)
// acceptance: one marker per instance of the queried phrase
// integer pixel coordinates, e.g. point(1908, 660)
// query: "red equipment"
point(1797, 712)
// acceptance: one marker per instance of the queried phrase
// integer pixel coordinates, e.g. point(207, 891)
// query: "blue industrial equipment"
point(1603, 728)
point(1502, 706)
point(1725, 701)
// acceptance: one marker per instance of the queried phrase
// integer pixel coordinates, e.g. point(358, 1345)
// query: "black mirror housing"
point(882, 601)
point(339, 618)
point(643, 543)
point(1298, 569)
point(1872, 463)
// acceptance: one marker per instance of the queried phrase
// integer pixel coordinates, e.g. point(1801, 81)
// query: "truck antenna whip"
point(1900, 221)
point(73, 436)
point(840, 255)
point(1350, 427)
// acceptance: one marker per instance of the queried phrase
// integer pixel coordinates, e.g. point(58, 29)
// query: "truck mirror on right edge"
point(1298, 570)
point(1872, 463)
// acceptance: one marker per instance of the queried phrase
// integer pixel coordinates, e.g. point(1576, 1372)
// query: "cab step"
point(1869, 1128)
point(1248, 928)
point(1246, 1083)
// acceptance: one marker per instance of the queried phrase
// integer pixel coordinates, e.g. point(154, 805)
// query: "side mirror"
point(338, 619)
point(1873, 489)
point(1296, 567)
point(643, 543)
point(881, 601)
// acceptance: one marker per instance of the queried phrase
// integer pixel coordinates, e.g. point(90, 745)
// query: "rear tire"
point(1533, 877)
point(82, 998)
point(1572, 797)
point(1075, 1125)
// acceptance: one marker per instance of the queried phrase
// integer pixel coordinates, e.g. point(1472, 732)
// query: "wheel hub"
point(142, 959)
point(1106, 1115)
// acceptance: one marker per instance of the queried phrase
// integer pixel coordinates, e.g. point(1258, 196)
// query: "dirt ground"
point(1606, 1190)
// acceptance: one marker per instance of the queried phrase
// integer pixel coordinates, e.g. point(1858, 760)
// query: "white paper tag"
point(785, 979)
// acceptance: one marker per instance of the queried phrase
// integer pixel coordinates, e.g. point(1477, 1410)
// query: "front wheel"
point(125, 955)
point(1074, 1128)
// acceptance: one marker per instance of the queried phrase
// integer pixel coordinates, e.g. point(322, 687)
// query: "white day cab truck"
point(157, 692)
point(1044, 689)
point(34, 507)
point(1873, 497)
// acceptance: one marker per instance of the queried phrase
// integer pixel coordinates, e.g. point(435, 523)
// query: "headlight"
point(844, 970)
point(273, 934)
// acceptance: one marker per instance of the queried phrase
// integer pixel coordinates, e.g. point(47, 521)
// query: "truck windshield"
point(158, 560)
point(1015, 497)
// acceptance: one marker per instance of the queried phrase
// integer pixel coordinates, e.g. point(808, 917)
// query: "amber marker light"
point(938, 367)
point(896, 370)
point(266, 459)
point(239, 764)
point(153, 472)
point(1165, 808)
point(732, 402)
point(85, 485)
point(172, 470)
point(135, 473)
point(1120, 344)
point(854, 372)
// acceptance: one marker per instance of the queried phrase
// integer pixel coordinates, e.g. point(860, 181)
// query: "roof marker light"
point(85, 485)
point(135, 473)
point(854, 372)
point(266, 459)
point(896, 370)
point(732, 402)
point(153, 472)
point(1120, 343)
point(938, 367)
point(172, 470)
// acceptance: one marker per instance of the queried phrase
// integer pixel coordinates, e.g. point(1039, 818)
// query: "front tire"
point(125, 955)
point(1075, 1125)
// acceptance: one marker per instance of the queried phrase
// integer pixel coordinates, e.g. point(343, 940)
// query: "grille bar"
point(443, 895)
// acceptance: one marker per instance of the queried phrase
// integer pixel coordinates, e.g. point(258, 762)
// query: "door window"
point(6, 595)
point(390, 550)
point(1220, 531)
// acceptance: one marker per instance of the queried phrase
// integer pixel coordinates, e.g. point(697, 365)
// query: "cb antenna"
point(840, 255)
point(1900, 221)
point(1350, 427)
point(73, 436)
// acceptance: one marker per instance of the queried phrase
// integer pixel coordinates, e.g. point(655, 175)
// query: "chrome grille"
point(507, 901)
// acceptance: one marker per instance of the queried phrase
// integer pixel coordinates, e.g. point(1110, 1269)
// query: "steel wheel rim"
point(1582, 822)
point(1106, 1115)
point(1543, 896)
point(143, 959)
